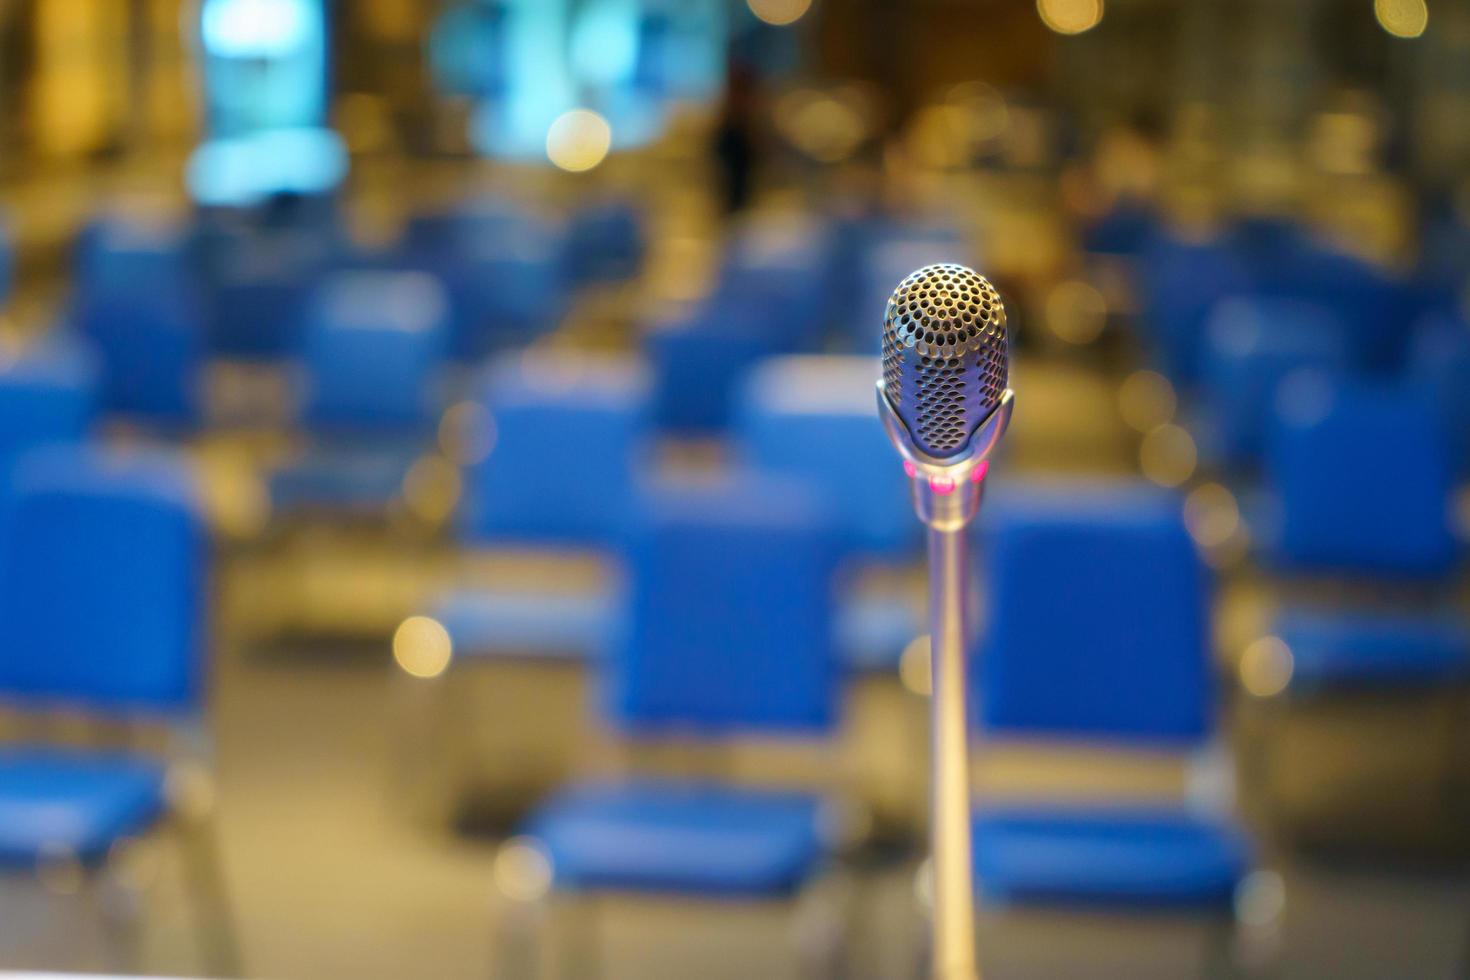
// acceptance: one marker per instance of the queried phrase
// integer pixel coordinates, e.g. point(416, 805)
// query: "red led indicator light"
point(942, 485)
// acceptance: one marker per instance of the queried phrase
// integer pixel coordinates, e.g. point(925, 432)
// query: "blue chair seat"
point(79, 804)
point(872, 631)
point(704, 839)
point(1334, 649)
point(347, 477)
point(1161, 857)
point(572, 626)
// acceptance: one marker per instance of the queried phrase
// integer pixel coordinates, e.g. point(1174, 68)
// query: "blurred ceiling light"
point(1402, 18)
point(779, 12)
point(1212, 515)
point(1146, 400)
point(1076, 312)
point(1070, 16)
point(256, 28)
point(1266, 667)
point(1168, 455)
point(578, 140)
point(421, 646)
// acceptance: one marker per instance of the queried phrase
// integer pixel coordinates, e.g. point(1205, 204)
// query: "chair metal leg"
point(822, 929)
point(213, 914)
point(119, 915)
point(572, 940)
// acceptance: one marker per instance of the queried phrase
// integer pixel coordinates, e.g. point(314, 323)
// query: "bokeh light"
point(780, 12)
point(1402, 18)
point(421, 647)
point(578, 140)
point(1212, 515)
point(1168, 455)
point(1266, 667)
point(1146, 400)
point(915, 668)
point(1076, 312)
point(522, 871)
point(1070, 16)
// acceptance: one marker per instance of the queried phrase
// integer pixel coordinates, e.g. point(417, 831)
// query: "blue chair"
point(134, 300)
point(812, 417)
point(258, 283)
point(783, 270)
point(1098, 632)
point(566, 439)
point(604, 242)
point(48, 394)
point(374, 346)
point(372, 360)
point(1252, 344)
point(1352, 649)
point(728, 632)
point(1439, 362)
point(503, 270)
point(1180, 282)
point(1360, 478)
point(102, 589)
point(1124, 231)
point(699, 360)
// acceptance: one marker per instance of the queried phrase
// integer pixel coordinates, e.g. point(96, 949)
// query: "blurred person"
point(737, 138)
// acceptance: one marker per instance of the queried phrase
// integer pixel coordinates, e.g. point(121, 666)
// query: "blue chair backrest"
point(1180, 281)
point(699, 360)
point(48, 394)
point(1361, 474)
point(103, 560)
point(783, 270)
point(604, 241)
point(135, 301)
point(729, 618)
point(813, 418)
point(1097, 621)
point(374, 348)
point(1124, 231)
point(1252, 344)
point(504, 271)
point(259, 283)
point(566, 440)
point(1440, 364)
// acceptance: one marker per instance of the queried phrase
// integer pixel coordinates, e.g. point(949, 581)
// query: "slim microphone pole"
point(947, 498)
point(947, 515)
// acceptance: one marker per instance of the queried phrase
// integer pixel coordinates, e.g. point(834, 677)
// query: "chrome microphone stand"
point(947, 494)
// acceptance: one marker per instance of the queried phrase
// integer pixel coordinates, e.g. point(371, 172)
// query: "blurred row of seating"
point(728, 630)
point(1332, 398)
point(1227, 316)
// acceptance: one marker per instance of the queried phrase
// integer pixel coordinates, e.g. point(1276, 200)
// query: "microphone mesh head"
point(944, 355)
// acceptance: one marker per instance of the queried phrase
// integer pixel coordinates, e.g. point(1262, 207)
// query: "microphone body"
point(944, 402)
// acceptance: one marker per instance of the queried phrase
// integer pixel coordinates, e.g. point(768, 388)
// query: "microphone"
point(944, 401)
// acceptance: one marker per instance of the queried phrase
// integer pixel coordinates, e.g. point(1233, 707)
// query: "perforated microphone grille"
point(944, 354)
